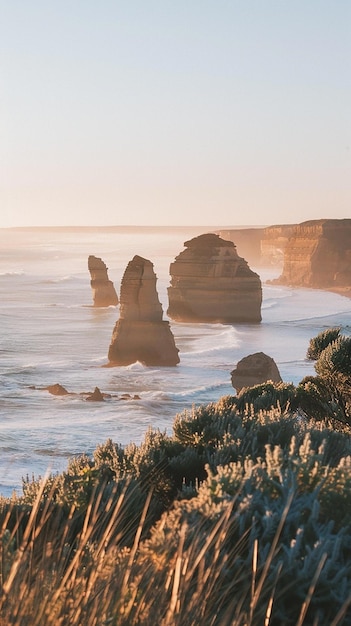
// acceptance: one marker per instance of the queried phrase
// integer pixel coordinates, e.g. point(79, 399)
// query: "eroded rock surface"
point(255, 369)
point(104, 293)
point(141, 334)
point(211, 283)
point(318, 254)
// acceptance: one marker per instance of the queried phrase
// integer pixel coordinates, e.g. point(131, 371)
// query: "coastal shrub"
point(289, 512)
point(266, 396)
point(262, 541)
point(321, 341)
point(334, 367)
point(238, 515)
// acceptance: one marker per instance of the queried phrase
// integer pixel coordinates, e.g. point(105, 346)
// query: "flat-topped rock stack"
point(141, 334)
point(211, 283)
point(318, 254)
point(104, 293)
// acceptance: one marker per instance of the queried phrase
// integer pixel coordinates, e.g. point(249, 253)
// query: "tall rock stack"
point(104, 293)
point(318, 254)
point(211, 283)
point(140, 334)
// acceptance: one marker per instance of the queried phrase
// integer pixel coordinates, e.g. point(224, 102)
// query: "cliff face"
point(140, 334)
point(318, 254)
point(104, 293)
point(211, 283)
point(247, 242)
point(273, 243)
point(260, 246)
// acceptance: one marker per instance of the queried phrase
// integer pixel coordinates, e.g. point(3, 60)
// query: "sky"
point(182, 112)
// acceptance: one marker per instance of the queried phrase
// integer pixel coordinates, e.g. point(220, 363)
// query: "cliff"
point(318, 254)
point(140, 334)
point(260, 246)
point(104, 293)
point(211, 283)
point(273, 243)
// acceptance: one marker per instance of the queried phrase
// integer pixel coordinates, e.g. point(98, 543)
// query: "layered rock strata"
point(255, 369)
point(141, 334)
point(211, 283)
point(273, 243)
point(318, 254)
point(104, 293)
point(260, 246)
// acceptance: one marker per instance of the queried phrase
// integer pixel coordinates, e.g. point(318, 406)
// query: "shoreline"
point(341, 291)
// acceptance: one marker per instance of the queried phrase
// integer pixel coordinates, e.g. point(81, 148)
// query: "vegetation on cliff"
point(241, 516)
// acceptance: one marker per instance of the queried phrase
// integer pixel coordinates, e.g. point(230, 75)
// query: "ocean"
point(51, 333)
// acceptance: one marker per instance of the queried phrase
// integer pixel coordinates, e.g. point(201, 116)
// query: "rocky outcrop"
point(210, 282)
point(95, 396)
point(92, 396)
point(104, 293)
point(140, 334)
point(56, 390)
point(255, 369)
point(318, 254)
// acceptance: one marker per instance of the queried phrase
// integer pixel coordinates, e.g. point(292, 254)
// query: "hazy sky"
point(222, 112)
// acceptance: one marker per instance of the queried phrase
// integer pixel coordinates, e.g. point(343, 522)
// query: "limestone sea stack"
point(141, 334)
point(104, 293)
point(318, 254)
point(255, 369)
point(210, 282)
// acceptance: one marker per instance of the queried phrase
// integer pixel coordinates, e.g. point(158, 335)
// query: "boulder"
point(210, 282)
point(104, 293)
point(141, 334)
point(318, 255)
point(255, 369)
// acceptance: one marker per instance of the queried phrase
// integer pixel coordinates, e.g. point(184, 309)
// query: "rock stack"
point(211, 283)
point(140, 334)
point(104, 293)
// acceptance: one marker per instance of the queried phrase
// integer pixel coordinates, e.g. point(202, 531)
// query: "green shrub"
point(321, 341)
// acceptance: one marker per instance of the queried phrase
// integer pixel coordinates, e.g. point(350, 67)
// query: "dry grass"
point(47, 581)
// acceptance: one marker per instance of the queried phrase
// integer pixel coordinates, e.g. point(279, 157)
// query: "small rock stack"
point(104, 293)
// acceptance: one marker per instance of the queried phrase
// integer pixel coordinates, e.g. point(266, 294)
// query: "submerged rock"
point(56, 390)
point(211, 283)
point(104, 293)
point(96, 396)
point(141, 334)
point(255, 369)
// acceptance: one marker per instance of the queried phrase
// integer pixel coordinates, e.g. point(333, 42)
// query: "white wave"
point(136, 366)
point(11, 274)
point(195, 391)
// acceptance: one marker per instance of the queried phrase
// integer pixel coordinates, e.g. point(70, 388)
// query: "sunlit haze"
point(169, 113)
